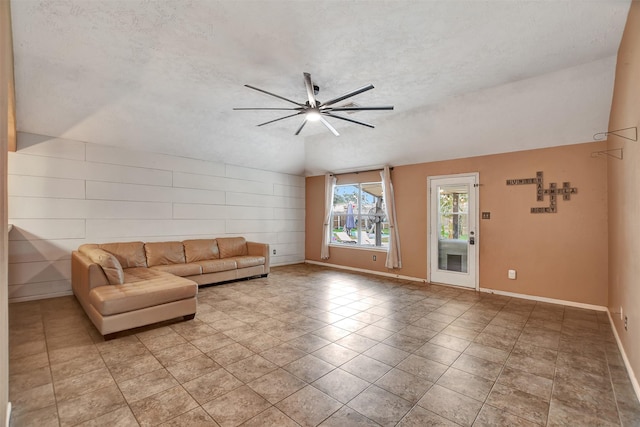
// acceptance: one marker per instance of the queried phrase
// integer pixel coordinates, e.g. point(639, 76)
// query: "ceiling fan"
point(314, 110)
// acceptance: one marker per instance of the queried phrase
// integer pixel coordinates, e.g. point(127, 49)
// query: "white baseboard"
point(8, 414)
point(362, 270)
point(487, 290)
point(280, 264)
point(545, 299)
point(37, 297)
point(627, 364)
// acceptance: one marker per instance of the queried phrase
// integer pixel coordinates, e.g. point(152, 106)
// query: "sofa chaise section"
point(130, 284)
point(116, 298)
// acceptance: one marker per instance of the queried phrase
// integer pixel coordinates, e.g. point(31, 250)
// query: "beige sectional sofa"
point(130, 284)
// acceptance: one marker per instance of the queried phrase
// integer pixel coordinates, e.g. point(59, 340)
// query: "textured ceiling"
point(465, 77)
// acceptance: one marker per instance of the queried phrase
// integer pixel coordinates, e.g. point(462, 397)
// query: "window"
point(358, 217)
point(454, 213)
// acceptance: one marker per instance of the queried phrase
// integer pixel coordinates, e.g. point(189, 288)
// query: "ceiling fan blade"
point(309, 86)
point(304, 122)
point(281, 118)
point(268, 109)
point(387, 107)
point(350, 120)
point(273, 94)
point(328, 125)
point(347, 95)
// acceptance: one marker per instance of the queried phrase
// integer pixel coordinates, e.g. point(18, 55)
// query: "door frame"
point(476, 258)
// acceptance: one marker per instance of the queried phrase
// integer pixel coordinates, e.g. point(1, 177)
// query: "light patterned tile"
point(451, 405)
point(309, 368)
point(366, 368)
point(381, 406)
point(236, 407)
point(309, 406)
point(43, 417)
point(189, 369)
point(341, 385)
point(348, 417)
point(271, 417)
point(209, 386)
point(420, 417)
point(163, 406)
point(519, 403)
point(277, 385)
point(75, 386)
point(474, 340)
point(195, 417)
point(19, 383)
point(33, 399)
point(251, 368)
point(122, 417)
point(147, 385)
point(90, 405)
point(405, 385)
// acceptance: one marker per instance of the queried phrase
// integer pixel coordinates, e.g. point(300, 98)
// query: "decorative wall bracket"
point(616, 153)
point(630, 133)
point(553, 191)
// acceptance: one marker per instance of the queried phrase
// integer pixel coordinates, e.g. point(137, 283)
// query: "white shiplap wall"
point(64, 193)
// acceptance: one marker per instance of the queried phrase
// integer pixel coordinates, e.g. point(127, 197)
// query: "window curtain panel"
point(329, 184)
point(394, 259)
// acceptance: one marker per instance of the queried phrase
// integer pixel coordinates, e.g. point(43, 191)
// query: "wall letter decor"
point(553, 191)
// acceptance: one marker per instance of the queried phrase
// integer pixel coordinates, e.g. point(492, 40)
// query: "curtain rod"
point(357, 172)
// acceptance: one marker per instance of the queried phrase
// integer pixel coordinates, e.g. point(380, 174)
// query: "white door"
point(453, 236)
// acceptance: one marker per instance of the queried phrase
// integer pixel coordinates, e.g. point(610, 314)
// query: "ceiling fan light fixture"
point(314, 110)
point(313, 115)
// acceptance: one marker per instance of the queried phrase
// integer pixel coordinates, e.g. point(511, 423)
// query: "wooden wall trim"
point(6, 63)
point(11, 88)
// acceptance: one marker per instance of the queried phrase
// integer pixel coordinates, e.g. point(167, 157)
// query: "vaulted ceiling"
point(466, 77)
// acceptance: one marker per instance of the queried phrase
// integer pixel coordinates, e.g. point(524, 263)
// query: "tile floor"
point(313, 346)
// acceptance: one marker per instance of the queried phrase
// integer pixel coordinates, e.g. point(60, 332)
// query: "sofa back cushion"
point(201, 250)
point(232, 246)
point(129, 254)
point(164, 253)
point(109, 263)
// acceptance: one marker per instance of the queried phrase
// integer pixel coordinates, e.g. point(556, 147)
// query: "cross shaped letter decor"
point(553, 191)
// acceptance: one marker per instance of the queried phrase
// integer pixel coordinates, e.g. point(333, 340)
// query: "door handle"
point(472, 238)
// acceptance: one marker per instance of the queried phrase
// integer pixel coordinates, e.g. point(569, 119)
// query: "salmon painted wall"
point(561, 256)
point(624, 193)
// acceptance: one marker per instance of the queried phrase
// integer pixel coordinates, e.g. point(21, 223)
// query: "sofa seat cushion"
point(181, 270)
point(216, 265)
point(201, 249)
point(161, 289)
point(248, 260)
point(132, 275)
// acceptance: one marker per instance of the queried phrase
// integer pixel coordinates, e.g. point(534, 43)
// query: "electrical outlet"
point(626, 322)
point(374, 258)
point(512, 274)
point(274, 251)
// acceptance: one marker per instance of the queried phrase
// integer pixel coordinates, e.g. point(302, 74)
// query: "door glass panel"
point(453, 227)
